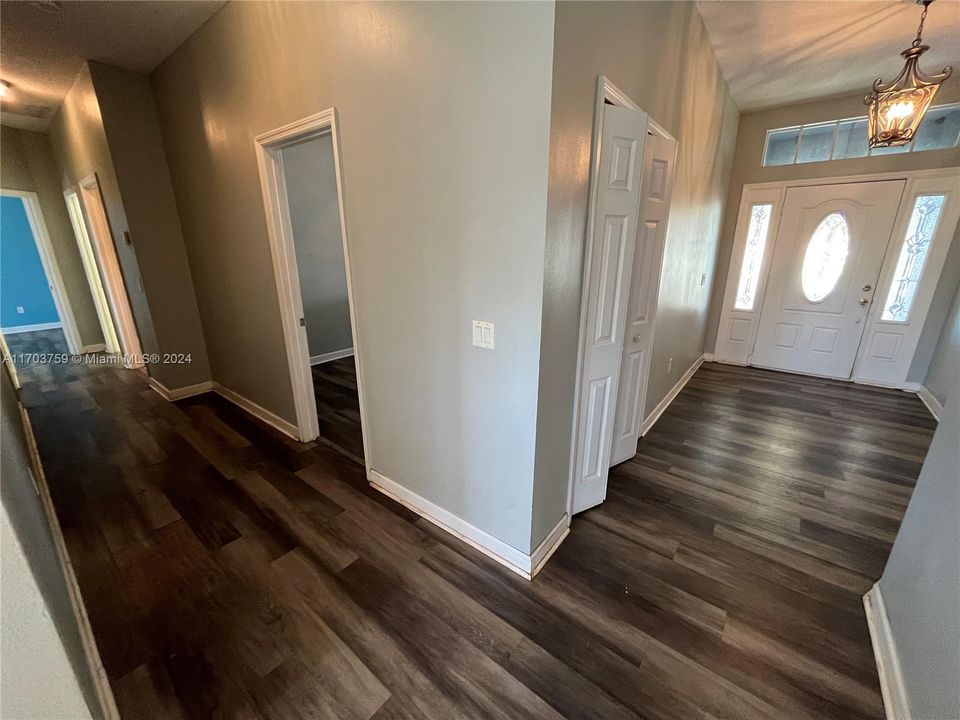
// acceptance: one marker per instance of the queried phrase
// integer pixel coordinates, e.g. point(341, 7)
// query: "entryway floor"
point(230, 572)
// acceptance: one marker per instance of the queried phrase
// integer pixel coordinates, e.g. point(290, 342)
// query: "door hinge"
point(303, 323)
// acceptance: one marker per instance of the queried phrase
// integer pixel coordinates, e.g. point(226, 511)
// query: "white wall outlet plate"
point(483, 334)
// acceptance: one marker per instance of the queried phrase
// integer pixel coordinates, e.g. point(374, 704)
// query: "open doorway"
point(301, 182)
point(34, 304)
point(92, 273)
point(630, 190)
point(104, 276)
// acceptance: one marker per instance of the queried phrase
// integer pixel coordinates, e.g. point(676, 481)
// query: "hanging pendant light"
point(897, 108)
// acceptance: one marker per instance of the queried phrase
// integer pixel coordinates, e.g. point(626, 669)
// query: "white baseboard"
point(327, 357)
point(709, 357)
point(674, 391)
point(95, 348)
point(510, 557)
point(888, 662)
point(258, 411)
point(544, 551)
point(31, 328)
point(181, 392)
point(930, 400)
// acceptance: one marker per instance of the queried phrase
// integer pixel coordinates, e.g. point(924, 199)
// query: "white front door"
point(823, 275)
point(658, 160)
point(607, 280)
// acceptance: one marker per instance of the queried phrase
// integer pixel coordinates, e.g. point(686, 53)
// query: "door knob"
point(863, 301)
point(867, 288)
point(637, 338)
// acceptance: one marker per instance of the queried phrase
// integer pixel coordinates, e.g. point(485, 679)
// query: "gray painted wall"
point(445, 116)
point(943, 377)
point(43, 668)
point(132, 133)
point(80, 149)
point(659, 54)
point(747, 169)
point(315, 216)
point(26, 163)
point(921, 582)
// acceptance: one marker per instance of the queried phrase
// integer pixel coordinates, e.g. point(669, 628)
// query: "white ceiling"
point(779, 52)
point(44, 44)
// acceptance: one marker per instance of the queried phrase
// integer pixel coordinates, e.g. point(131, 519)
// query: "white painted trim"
point(101, 683)
point(108, 260)
point(31, 328)
point(548, 546)
point(331, 356)
point(894, 691)
point(48, 259)
point(930, 400)
point(258, 411)
point(510, 557)
point(111, 343)
point(674, 391)
point(708, 357)
point(181, 392)
point(95, 348)
point(269, 146)
point(867, 177)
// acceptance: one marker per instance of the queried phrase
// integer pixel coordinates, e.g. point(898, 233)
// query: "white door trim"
point(774, 193)
point(277, 208)
point(48, 259)
point(98, 227)
point(111, 343)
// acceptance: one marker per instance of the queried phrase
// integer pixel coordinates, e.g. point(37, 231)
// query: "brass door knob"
point(863, 301)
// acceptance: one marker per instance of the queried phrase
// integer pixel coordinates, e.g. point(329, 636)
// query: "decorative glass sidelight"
point(753, 256)
point(825, 257)
point(913, 256)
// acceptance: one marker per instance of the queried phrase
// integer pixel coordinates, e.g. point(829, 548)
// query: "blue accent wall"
point(22, 280)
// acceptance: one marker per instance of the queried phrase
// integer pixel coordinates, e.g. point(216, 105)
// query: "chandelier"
point(897, 108)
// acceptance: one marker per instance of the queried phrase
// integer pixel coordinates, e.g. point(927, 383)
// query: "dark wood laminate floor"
point(232, 573)
point(338, 407)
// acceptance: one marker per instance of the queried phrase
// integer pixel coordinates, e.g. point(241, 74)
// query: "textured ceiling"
point(778, 52)
point(44, 44)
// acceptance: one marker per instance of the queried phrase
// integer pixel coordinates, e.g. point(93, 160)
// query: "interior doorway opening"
point(303, 198)
point(34, 295)
point(630, 190)
point(91, 227)
point(92, 272)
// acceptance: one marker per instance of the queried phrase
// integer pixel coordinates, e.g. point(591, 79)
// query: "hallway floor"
point(230, 572)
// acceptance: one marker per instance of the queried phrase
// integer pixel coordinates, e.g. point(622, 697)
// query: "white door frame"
point(774, 193)
point(108, 260)
point(31, 205)
point(269, 146)
point(111, 343)
point(606, 91)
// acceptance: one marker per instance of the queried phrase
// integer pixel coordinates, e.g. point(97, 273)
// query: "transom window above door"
point(847, 138)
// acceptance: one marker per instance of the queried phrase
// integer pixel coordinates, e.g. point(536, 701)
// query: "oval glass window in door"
point(825, 257)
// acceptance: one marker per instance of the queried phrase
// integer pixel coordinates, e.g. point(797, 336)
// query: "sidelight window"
point(913, 256)
point(753, 255)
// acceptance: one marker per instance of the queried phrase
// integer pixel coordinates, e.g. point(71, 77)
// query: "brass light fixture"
point(897, 108)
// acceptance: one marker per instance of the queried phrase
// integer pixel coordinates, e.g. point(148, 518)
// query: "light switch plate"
point(483, 334)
